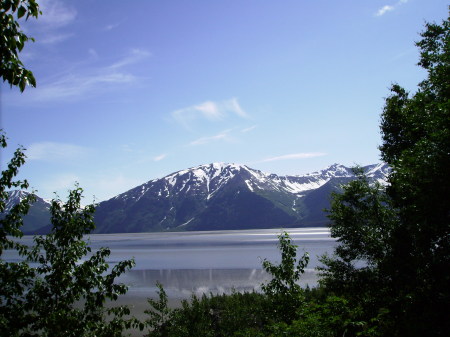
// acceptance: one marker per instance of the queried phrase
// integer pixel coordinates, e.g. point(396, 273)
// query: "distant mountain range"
point(218, 197)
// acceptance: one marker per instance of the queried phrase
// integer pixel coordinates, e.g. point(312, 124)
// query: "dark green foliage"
point(401, 233)
point(328, 318)
point(15, 278)
point(362, 223)
point(12, 41)
point(416, 135)
point(283, 291)
point(65, 294)
point(160, 313)
point(237, 314)
point(68, 299)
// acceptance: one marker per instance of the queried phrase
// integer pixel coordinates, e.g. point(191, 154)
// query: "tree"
point(69, 296)
point(416, 143)
point(13, 39)
point(15, 277)
point(363, 220)
point(401, 233)
point(282, 289)
point(66, 293)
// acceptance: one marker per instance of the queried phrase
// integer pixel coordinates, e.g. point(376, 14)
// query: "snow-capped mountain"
point(212, 197)
point(38, 218)
point(226, 196)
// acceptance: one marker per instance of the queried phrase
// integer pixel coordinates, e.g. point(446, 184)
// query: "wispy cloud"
point(383, 10)
point(93, 53)
point(88, 82)
point(56, 14)
point(224, 135)
point(294, 156)
point(388, 8)
point(76, 85)
point(111, 26)
point(134, 56)
point(55, 152)
point(212, 111)
point(55, 38)
point(160, 157)
point(251, 128)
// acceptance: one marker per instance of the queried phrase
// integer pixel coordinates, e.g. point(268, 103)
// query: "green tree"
point(15, 277)
point(363, 220)
point(68, 299)
point(416, 143)
point(400, 235)
point(13, 39)
point(283, 290)
point(66, 293)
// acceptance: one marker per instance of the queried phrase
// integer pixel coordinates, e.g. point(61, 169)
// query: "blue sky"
point(129, 91)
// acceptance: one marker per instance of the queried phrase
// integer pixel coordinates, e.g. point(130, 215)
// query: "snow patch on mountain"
point(207, 180)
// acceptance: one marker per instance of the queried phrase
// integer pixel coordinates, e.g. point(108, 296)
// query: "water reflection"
point(203, 262)
point(181, 283)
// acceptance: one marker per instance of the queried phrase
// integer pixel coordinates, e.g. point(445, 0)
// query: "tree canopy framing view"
point(388, 275)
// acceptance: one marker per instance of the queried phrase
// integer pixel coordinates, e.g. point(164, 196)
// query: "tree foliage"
point(237, 314)
point(13, 39)
point(15, 277)
point(283, 289)
point(61, 286)
point(400, 235)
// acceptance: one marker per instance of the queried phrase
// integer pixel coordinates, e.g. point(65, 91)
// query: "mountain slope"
point(213, 197)
point(225, 196)
point(37, 221)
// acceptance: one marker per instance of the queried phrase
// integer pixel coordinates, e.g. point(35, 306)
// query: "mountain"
point(212, 197)
point(37, 221)
point(226, 196)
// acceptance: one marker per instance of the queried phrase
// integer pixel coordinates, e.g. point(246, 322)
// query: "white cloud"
point(206, 140)
point(210, 110)
point(383, 10)
point(294, 156)
point(55, 38)
point(56, 14)
point(160, 157)
point(51, 151)
point(388, 8)
point(80, 83)
point(93, 53)
point(213, 111)
point(233, 106)
point(111, 26)
point(135, 55)
point(251, 128)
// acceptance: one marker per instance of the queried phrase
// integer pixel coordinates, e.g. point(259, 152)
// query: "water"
point(203, 262)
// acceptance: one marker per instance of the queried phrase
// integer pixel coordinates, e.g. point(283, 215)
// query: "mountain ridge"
point(212, 196)
point(216, 196)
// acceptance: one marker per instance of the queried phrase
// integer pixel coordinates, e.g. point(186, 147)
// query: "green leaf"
point(21, 12)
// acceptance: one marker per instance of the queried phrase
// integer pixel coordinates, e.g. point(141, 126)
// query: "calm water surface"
point(199, 262)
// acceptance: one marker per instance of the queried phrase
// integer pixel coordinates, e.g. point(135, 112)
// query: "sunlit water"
point(204, 262)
